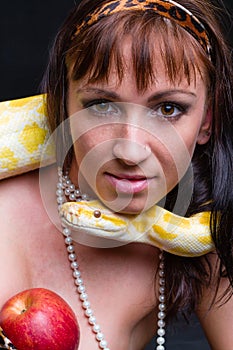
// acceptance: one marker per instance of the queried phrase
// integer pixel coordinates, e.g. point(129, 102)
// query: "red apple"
point(39, 319)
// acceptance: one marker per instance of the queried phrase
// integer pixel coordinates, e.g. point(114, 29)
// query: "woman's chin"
point(130, 206)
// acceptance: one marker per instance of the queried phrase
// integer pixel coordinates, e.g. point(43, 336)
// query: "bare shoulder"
point(14, 192)
point(22, 217)
point(17, 188)
point(20, 196)
point(23, 209)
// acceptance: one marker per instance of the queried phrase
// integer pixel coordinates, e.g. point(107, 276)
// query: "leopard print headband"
point(166, 8)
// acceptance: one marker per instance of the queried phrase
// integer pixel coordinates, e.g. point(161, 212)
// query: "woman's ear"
point(205, 130)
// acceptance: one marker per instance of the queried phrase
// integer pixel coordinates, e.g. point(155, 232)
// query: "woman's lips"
point(127, 184)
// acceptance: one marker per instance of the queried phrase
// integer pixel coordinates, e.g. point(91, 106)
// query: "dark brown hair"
point(92, 54)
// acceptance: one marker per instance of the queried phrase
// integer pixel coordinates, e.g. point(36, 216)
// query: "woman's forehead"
point(158, 65)
point(157, 56)
point(144, 45)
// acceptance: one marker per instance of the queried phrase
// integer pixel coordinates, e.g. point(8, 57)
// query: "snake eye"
point(97, 214)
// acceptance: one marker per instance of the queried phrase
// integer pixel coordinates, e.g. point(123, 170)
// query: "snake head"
point(94, 218)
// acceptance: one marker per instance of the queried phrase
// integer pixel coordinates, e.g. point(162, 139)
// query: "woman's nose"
point(130, 152)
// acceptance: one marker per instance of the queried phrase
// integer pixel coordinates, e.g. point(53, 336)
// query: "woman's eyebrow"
point(155, 96)
point(100, 92)
point(166, 93)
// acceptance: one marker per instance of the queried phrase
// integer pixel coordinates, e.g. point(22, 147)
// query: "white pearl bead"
point(160, 347)
point(88, 312)
point(161, 290)
point(96, 328)
point(72, 187)
point(78, 281)
point(161, 265)
point(68, 240)
point(72, 257)
point(162, 298)
point(59, 192)
point(92, 320)
point(99, 336)
point(161, 323)
point(103, 344)
point(72, 197)
point(161, 273)
point(81, 289)
point(70, 248)
point(162, 307)
point(77, 193)
point(67, 191)
point(160, 340)
point(66, 231)
point(83, 296)
point(59, 185)
point(162, 281)
point(60, 199)
point(161, 315)
point(74, 265)
point(76, 275)
point(86, 304)
point(161, 332)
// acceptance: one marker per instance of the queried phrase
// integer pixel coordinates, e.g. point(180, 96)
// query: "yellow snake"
point(24, 133)
point(157, 227)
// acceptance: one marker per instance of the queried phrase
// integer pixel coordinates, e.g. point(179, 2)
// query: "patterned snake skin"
point(157, 227)
point(23, 136)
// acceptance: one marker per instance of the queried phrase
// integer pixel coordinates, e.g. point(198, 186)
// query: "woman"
point(148, 89)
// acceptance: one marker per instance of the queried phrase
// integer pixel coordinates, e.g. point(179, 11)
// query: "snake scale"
point(24, 135)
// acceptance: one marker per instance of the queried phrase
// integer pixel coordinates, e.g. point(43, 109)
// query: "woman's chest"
point(119, 287)
point(119, 283)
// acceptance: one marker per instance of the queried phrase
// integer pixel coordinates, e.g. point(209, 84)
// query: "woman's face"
point(131, 147)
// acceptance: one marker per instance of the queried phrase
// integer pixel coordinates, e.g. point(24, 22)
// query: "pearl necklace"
point(65, 189)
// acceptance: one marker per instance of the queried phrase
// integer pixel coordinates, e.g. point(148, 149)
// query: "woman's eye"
point(103, 108)
point(168, 111)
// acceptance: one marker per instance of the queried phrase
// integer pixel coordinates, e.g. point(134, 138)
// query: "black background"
point(27, 29)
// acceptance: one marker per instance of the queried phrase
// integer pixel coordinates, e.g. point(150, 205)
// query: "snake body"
point(157, 227)
point(24, 133)
point(24, 136)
